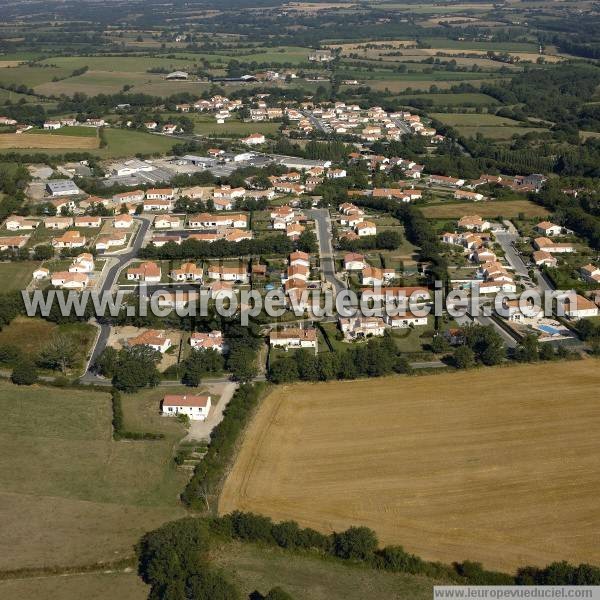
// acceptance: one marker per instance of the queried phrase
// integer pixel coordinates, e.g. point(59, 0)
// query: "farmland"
point(16, 275)
point(490, 209)
point(64, 479)
point(42, 141)
point(489, 475)
point(119, 142)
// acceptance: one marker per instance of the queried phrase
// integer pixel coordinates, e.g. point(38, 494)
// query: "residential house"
point(195, 407)
point(405, 319)
point(474, 223)
point(375, 276)
point(577, 307)
point(148, 271)
point(111, 240)
point(123, 222)
point(294, 338)
point(548, 229)
point(208, 221)
point(187, 272)
point(84, 263)
point(155, 205)
point(70, 281)
point(13, 243)
point(154, 338)
point(58, 222)
point(354, 262)
point(232, 273)
point(254, 139)
point(591, 273)
point(18, 223)
point(299, 258)
point(213, 340)
point(220, 290)
point(91, 222)
point(167, 222)
point(543, 258)
point(465, 195)
point(362, 327)
point(365, 228)
point(69, 239)
point(546, 244)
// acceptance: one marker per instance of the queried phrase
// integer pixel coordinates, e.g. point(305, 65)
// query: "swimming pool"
point(549, 329)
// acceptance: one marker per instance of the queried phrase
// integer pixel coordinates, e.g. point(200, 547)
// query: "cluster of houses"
point(220, 105)
point(285, 218)
point(52, 124)
point(113, 237)
point(370, 124)
point(77, 277)
point(352, 218)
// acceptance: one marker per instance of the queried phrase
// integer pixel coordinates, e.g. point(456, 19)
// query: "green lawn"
point(16, 275)
point(62, 474)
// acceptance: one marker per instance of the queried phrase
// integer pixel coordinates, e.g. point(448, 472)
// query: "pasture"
point(509, 209)
point(16, 275)
point(69, 494)
point(486, 465)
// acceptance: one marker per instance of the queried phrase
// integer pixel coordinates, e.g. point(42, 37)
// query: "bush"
point(358, 543)
point(24, 373)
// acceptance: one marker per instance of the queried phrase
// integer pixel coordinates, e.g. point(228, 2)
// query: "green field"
point(63, 478)
point(32, 76)
point(16, 275)
point(453, 99)
point(68, 131)
point(488, 125)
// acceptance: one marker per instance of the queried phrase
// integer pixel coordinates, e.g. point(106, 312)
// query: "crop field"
point(31, 76)
point(509, 209)
point(488, 465)
point(401, 85)
point(454, 99)
point(42, 141)
point(62, 477)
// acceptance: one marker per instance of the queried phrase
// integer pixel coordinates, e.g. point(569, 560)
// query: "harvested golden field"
point(42, 141)
point(489, 465)
point(509, 209)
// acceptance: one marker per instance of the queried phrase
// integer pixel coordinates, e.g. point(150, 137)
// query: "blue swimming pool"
point(549, 329)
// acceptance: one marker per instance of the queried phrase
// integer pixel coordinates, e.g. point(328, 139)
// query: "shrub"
point(24, 373)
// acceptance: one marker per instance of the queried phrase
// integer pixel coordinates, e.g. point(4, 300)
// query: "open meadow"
point(69, 494)
point(508, 209)
point(486, 465)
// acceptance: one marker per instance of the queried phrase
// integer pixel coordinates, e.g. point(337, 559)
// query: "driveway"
point(201, 430)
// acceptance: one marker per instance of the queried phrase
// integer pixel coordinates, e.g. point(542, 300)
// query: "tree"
point(24, 373)
point(199, 363)
point(307, 242)
point(284, 370)
point(107, 362)
point(358, 543)
point(59, 354)
point(136, 368)
point(210, 585)
point(242, 364)
point(439, 345)
point(546, 352)
point(528, 350)
point(43, 252)
point(463, 357)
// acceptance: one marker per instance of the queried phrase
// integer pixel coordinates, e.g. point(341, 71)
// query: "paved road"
point(119, 260)
point(324, 233)
point(316, 123)
point(506, 240)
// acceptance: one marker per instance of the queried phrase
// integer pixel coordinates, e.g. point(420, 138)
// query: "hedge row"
point(360, 544)
point(223, 439)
